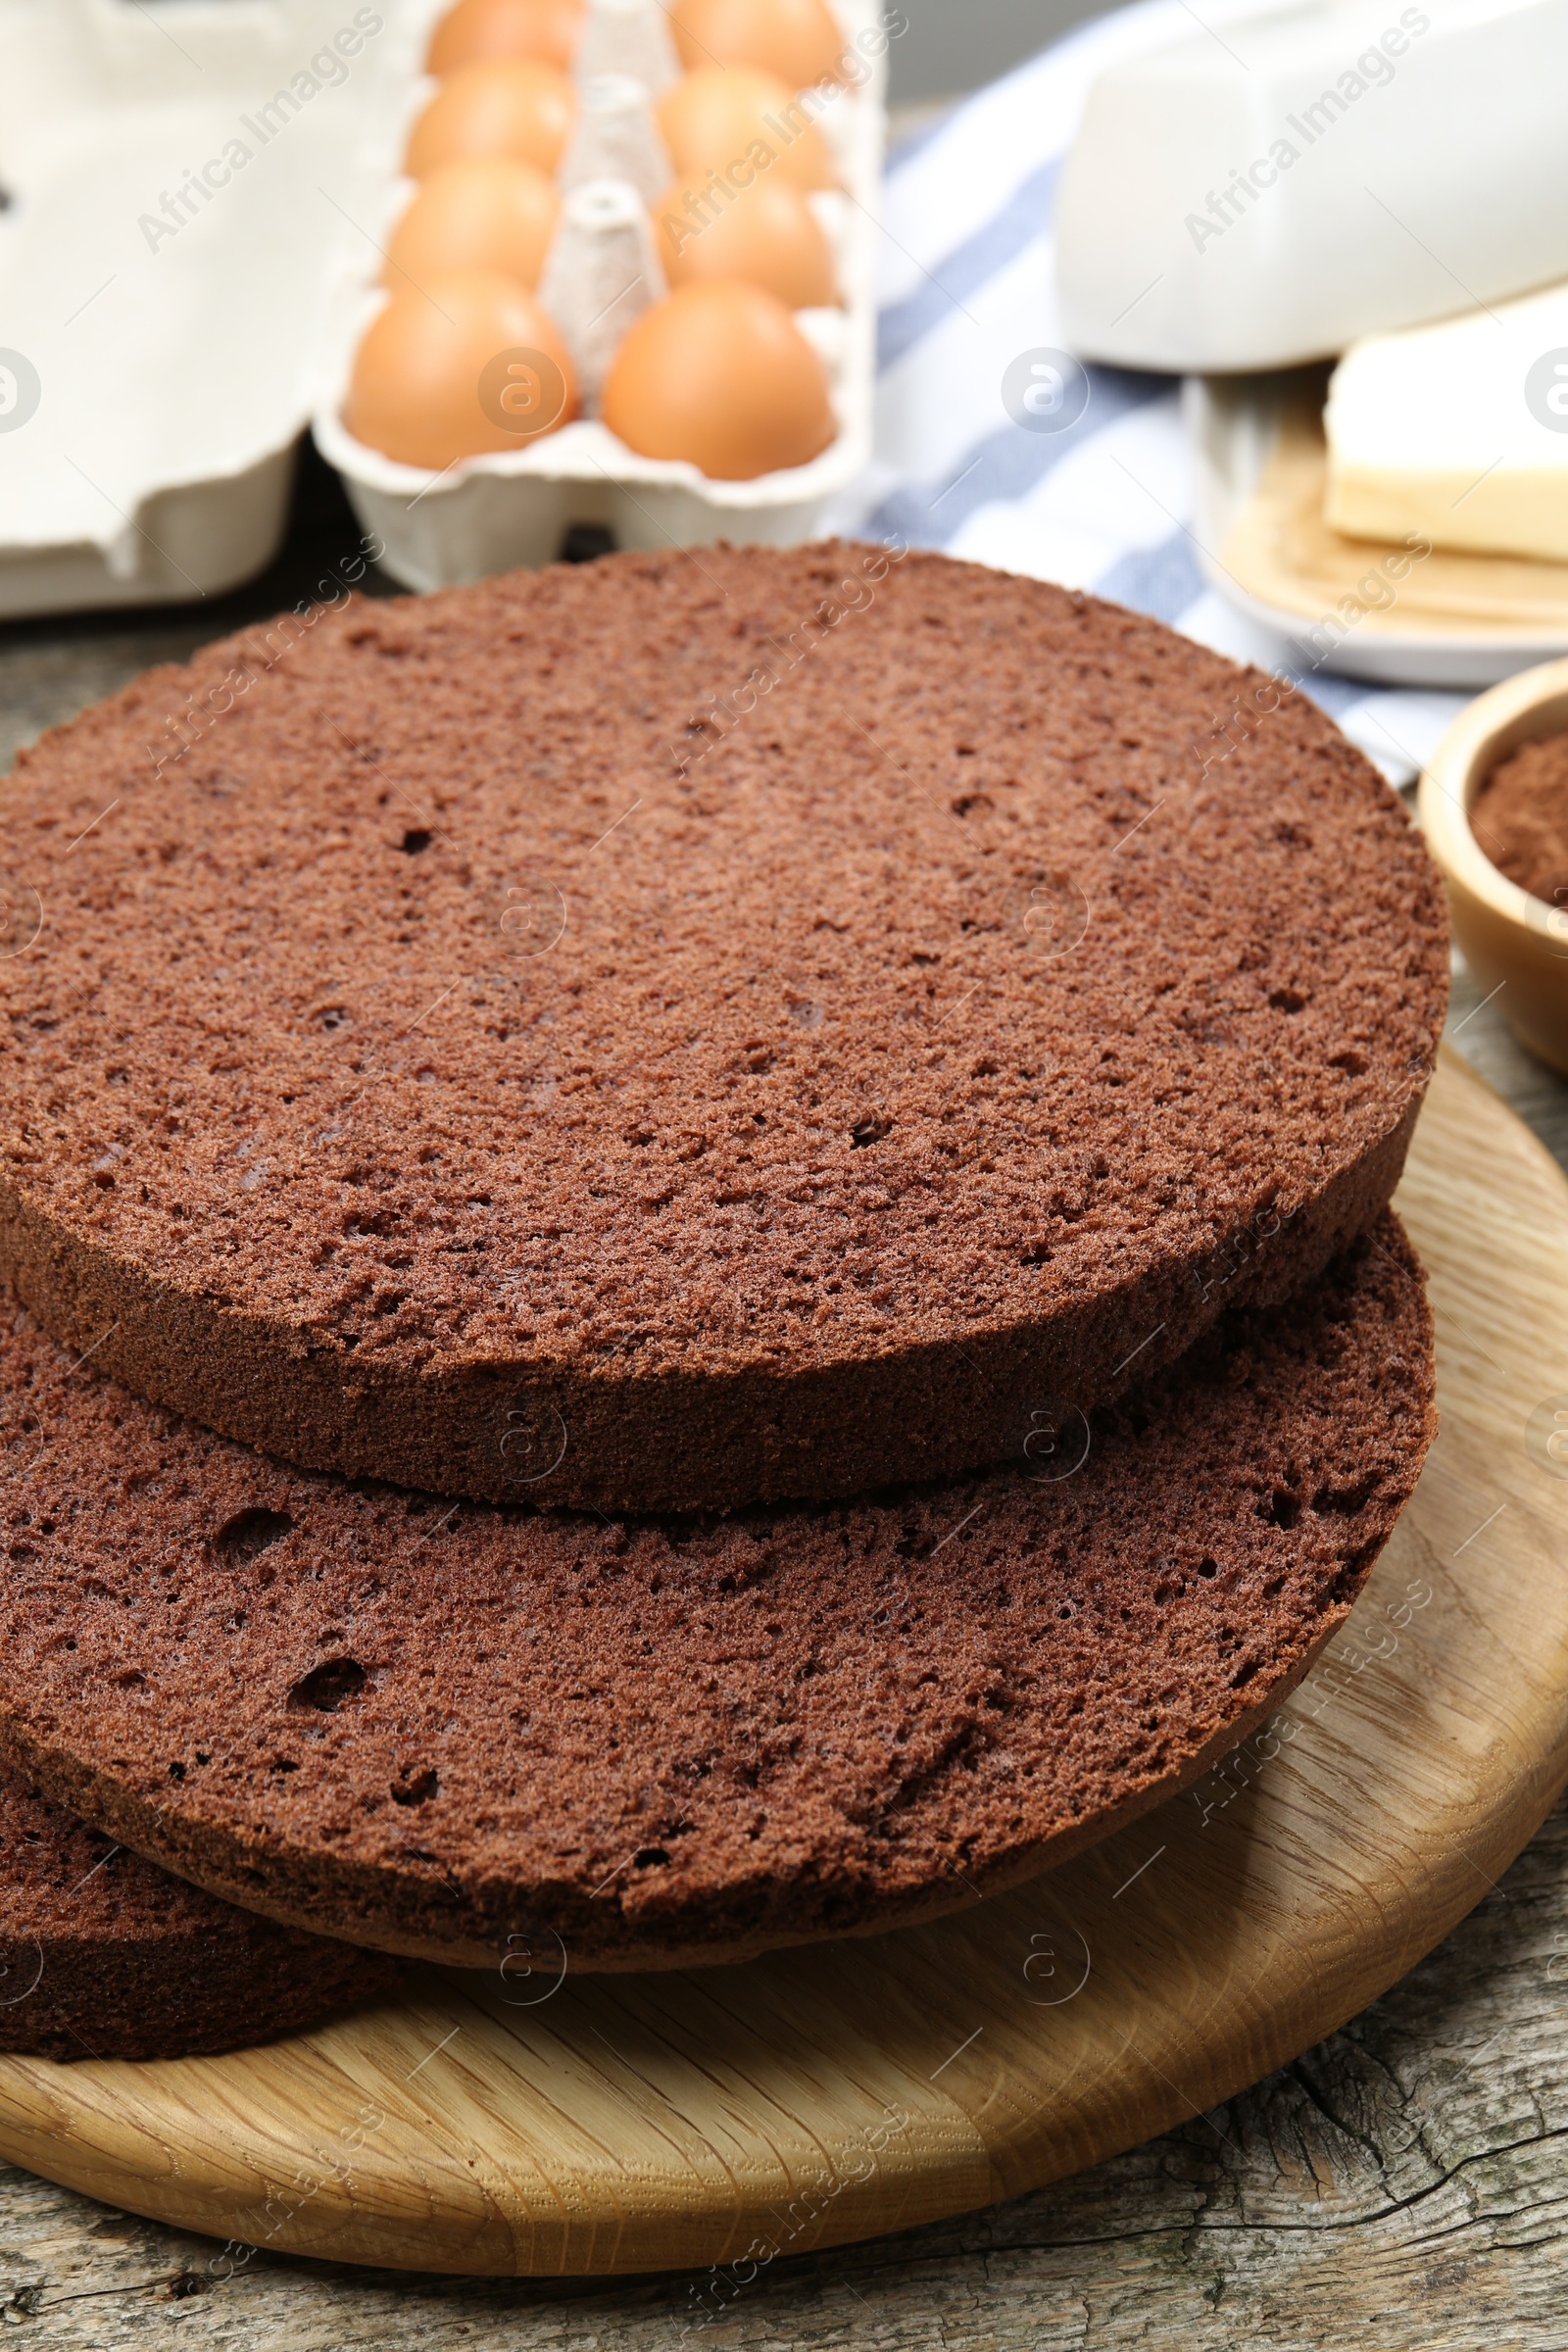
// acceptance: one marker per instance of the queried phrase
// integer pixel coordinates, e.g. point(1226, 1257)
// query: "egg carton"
point(182, 178)
point(491, 513)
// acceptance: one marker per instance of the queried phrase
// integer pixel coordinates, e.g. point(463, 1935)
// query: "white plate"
point(1232, 425)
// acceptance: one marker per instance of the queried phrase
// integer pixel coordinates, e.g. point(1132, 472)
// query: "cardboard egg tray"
point(182, 177)
point(492, 512)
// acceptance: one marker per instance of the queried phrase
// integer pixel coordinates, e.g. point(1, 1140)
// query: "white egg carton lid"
point(1272, 186)
point(181, 175)
point(494, 513)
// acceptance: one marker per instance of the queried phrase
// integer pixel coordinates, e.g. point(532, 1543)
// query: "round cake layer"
point(463, 1732)
point(104, 1956)
point(676, 1032)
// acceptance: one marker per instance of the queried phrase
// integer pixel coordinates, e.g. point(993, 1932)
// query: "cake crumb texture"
point(432, 1727)
point(102, 1955)
point(1520, 818)
point(615, 1036)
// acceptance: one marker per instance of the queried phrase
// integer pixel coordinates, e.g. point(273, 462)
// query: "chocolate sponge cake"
point(679, 1032)
point(436, 1727)
point(103, 1956)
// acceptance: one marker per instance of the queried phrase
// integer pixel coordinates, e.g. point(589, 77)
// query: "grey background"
point(955, 45)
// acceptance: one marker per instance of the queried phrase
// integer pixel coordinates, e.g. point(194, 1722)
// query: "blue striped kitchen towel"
point(968, 284)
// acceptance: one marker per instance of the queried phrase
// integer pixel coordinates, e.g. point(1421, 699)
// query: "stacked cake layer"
point(785, 1156)
point(103, 1956)
point(516, 1051)
point(431, 1728)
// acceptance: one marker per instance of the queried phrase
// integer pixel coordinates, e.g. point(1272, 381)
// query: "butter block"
point(1457, 432)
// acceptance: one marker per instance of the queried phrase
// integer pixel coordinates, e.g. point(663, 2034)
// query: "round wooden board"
point(729, 2116)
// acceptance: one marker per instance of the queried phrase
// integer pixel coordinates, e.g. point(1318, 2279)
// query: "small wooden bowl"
point(1516, 945)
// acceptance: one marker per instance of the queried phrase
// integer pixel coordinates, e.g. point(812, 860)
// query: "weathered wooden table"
point(1400, 2188)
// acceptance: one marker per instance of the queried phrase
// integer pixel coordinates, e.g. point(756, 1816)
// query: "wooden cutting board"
point(718, 2119)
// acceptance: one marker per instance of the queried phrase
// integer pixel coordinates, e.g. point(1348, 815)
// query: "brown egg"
point(733, 115)
point(487, 29)
point(480, 212)
point(766, 235)
point(510, 106)
point(719, 374)
point(468, 365)
point(796, 39)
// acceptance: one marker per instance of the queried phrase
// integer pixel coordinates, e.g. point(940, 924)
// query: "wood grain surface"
point(737, 2117)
